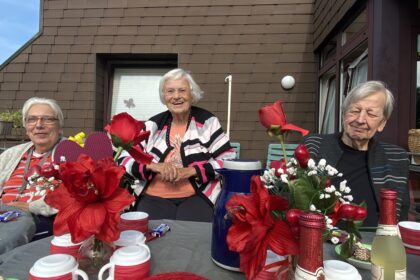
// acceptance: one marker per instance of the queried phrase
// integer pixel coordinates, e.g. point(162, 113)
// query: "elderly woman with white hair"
point(367, 164)
point(187, 144)
point(43, 121)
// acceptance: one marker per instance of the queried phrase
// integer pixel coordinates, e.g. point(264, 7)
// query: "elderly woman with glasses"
point(43, 120)
point(187, 144)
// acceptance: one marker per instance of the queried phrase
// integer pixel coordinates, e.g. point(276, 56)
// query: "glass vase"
point(93, 254)
point(277, 267)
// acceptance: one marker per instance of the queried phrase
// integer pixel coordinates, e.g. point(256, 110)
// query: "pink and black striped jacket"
point(204, 147)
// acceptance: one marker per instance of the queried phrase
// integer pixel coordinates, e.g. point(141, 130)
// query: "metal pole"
point(229, 80)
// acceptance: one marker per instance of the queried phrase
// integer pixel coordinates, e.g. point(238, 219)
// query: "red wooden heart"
point(97, 146)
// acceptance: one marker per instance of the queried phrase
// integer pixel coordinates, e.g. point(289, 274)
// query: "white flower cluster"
point(322, 170)
point(269, 178)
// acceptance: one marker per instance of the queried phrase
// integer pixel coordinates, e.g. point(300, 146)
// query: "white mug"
point(130, 238)
point(339, 270)
point(128, 261)
point(57, 266)
point(62, 245)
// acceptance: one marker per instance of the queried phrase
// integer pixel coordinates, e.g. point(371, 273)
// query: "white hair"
point(176, 74)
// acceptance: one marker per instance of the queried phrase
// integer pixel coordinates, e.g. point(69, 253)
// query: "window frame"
point(359, 38)
point(113, 61)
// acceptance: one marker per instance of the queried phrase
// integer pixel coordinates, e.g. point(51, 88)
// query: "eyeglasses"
point(32, 120)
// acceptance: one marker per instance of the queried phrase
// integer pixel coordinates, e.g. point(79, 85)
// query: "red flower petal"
point(288, 127)
point(139, 155)
point(254, 230)
point(281, 239)
point(87, 222)
point(125, 127)
point(272, 115)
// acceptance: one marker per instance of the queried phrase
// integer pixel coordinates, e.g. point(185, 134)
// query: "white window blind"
point(136, 91)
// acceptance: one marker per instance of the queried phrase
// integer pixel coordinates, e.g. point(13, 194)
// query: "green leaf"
point(302, 193)
point(347, 248)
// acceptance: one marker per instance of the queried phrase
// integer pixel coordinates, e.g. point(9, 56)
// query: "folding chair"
point(275, 152)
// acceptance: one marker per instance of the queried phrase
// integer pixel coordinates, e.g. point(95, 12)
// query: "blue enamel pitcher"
point(236, 178)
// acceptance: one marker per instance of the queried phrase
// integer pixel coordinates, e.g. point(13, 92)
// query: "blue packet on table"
point(160, 230)
point(9, 215)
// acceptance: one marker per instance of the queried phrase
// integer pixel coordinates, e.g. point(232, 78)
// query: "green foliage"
point(303, 194)
point(13, 116)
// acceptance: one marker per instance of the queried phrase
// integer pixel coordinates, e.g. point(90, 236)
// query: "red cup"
point(56, 267)
point(135, 221)
point(128, 263)
point(410, 234)
point(63, 245)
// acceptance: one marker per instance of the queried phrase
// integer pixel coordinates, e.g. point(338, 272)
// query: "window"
point(136, 91)
point(343, 64)
point(328, 52)
point(327, 103)
point(354, 69)
point(130, 83)
point(356, 26)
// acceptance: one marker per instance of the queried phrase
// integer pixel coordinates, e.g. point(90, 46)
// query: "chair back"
point(275, 152)
point(237, 147)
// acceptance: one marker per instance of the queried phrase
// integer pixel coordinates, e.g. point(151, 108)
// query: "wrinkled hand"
point(185, 173)
point(167, 171)
point(21, 205)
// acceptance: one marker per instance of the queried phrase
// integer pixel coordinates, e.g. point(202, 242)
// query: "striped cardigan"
point(387, 164)
point(204, 146)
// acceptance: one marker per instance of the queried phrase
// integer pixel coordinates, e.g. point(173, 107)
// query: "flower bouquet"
point(267, 219)
point(89, 199)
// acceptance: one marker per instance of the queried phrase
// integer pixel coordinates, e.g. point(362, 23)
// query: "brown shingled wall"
point(257, 42)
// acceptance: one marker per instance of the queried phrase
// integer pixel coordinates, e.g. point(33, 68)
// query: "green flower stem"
point(281, 139)
point(118, 153)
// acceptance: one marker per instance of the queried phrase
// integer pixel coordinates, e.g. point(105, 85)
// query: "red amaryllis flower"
point(254, 230)
point(273, 118)
point(89, 200)
point(127, 132)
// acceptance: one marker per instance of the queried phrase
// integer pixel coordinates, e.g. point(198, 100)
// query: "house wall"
point(257, 42)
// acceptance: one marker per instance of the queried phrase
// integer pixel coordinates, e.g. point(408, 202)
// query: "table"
point(16, 233)
point(185, 248)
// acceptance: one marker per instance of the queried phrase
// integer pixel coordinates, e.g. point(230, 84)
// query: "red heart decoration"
point(97, 146)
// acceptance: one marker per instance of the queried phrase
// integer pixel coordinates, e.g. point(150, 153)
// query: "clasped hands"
point(168, 172)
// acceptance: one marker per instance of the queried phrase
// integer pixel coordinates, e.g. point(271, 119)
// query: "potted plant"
point(11, 123)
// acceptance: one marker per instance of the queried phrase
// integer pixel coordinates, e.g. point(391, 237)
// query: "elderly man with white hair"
point(367, 165)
